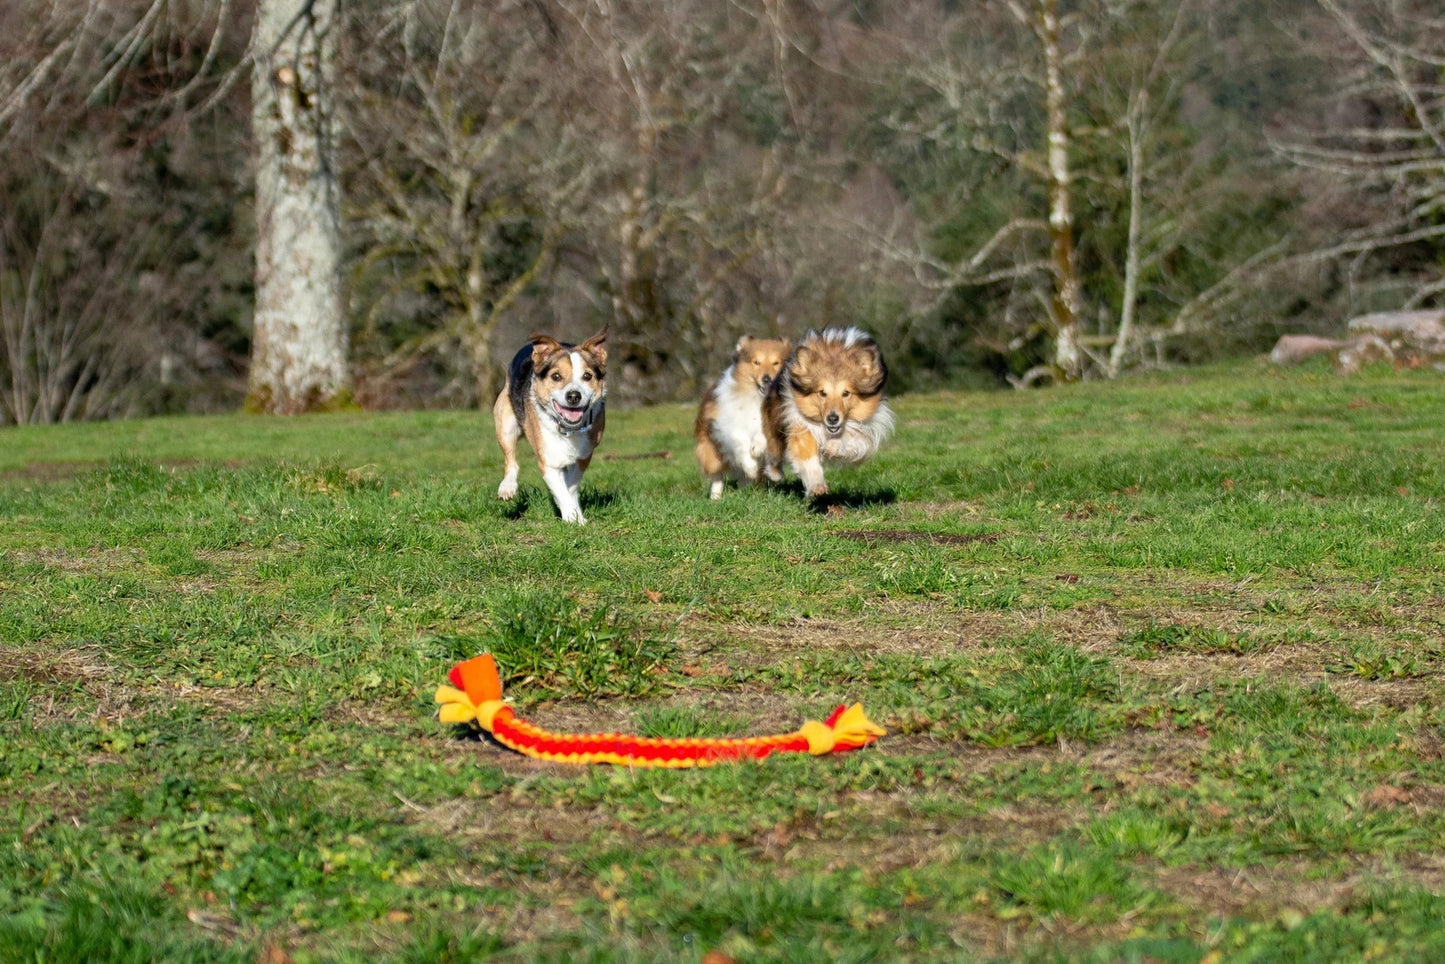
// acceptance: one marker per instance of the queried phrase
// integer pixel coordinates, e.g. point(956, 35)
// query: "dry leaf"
point(1387, 797)
point(273, 954)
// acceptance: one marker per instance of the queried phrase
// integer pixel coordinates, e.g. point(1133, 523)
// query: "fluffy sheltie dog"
point(827, 406)
point(554, 395)
point(729, 429)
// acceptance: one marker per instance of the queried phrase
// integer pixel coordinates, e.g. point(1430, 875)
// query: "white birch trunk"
point(1136, 222)
point(1068, 355)
point(299, 349)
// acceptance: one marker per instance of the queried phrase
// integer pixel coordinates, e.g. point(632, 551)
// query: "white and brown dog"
point(729, 427)
point(827, 405)
point(554, 395)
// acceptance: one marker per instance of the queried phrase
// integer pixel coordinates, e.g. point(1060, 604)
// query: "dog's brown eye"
point(846, 394)
point(587, 376)
point(556, 376)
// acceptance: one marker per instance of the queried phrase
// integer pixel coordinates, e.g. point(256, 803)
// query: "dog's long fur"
point(729, 427)
point(555, 396)
point(827, 406)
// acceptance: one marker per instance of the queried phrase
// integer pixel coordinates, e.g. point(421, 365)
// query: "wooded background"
point(298, 204)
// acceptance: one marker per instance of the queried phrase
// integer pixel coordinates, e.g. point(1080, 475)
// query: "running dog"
point(729, 427)
point(827, 405)
point(555, 394)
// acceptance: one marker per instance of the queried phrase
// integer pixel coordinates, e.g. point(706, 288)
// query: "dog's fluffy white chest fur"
point(560, 449)
point(738, 425)
point(857, 441)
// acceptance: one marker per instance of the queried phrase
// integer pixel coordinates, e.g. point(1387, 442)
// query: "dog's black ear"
point(596, 346)
point(543, 347)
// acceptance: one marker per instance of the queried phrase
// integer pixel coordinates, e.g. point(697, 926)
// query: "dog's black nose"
point(767, 379)
point(833, 418)
point(574, 398)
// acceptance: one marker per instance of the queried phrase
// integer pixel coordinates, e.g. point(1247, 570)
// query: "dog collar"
point(565, 429)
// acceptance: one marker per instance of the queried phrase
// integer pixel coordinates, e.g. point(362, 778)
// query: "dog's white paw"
point(816, 490)
point(507, 491)
point(773, 473)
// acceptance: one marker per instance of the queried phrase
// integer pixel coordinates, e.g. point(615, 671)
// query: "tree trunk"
point(1136, 225)
point(299, 349)
point(1067, 353)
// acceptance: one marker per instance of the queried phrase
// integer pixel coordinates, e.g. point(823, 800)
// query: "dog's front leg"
point(771, 457)
point(805, 460)
point(811, 473)
point(563, 484)
point(508, 431)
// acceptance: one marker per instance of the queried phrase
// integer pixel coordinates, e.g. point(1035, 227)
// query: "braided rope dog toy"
point(475, 696)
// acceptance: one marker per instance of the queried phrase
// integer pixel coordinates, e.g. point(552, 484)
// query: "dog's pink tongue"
point(571, 414)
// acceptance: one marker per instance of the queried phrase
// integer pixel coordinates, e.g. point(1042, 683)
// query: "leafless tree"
point(1148, 37)
point(299, 354)
point(461, 182)
point(1381, 136)
point(1043, 18)
point(70, 349)
point(980, 88)
point(94, 307)
point(689, 192)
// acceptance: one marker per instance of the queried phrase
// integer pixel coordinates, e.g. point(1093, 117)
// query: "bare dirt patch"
point(874, 536)
point(49, 471)
point(50, 668)
point(1295, 885)
point(90, 560)
point(1399, 694)
point(1149, 758)
point(64, 471)
point(916, 628)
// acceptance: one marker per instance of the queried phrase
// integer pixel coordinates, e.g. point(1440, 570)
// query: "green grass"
point(1160, 661)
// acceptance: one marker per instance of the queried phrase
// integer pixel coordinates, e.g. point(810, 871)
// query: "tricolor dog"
point(827, 405)
point(729, 427)
point(554, 395)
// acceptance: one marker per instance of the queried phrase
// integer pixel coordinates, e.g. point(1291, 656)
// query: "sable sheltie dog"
point(554, 395)
point(729, 429)
point(827, 406)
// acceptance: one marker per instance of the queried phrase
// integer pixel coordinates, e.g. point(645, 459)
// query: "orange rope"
point(475, 696)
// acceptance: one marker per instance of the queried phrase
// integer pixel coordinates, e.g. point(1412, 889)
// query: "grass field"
point(1161, 664)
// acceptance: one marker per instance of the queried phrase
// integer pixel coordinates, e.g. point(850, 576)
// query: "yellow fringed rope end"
point(848, 731)
point(854, 729)
point(456, 706)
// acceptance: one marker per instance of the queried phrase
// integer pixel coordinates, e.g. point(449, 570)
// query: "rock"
point(1293, 349)
point(1358, 352)
point(1418, 335)
point(1349, 356)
